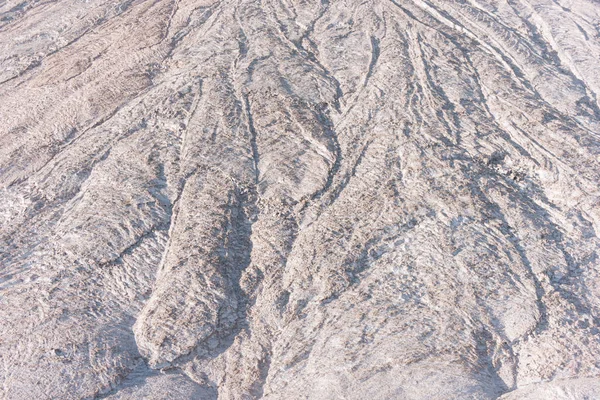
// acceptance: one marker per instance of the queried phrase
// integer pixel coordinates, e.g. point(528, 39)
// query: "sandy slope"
point(299, 199)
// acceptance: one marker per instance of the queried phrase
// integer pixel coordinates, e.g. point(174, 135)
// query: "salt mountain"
point(300, 199)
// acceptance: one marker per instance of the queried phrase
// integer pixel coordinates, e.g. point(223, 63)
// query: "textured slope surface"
point(299, 199)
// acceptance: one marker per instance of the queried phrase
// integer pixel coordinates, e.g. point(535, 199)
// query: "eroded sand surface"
point(300, 199)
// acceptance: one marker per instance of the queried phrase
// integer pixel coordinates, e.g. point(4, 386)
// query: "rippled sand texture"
point(299, 199)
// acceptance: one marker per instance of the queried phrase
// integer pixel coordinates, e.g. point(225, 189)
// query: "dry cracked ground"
point(300, 199)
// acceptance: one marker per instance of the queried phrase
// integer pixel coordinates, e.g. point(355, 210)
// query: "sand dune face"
point(300, 199)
